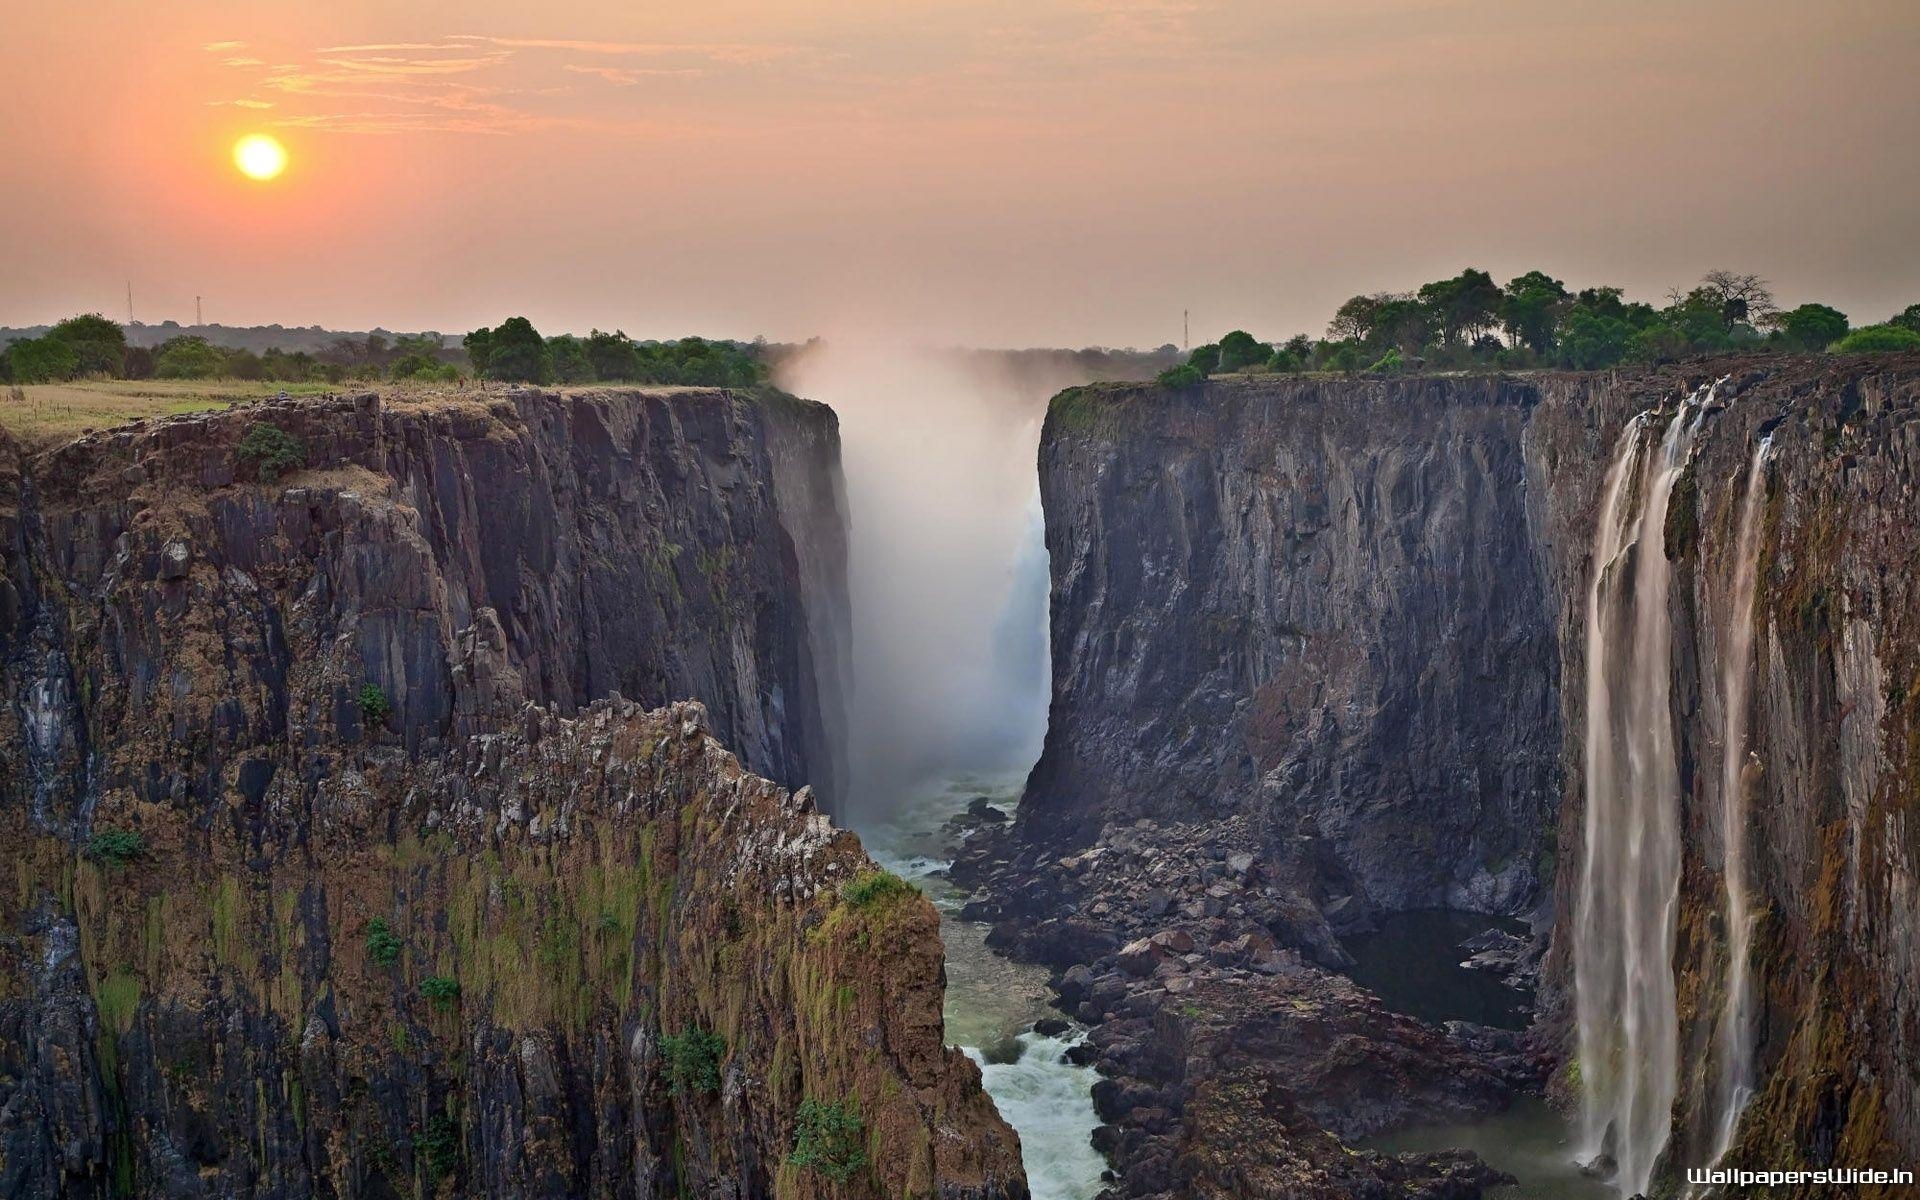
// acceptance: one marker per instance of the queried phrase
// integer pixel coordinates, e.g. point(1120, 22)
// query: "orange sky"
point(1000, 172)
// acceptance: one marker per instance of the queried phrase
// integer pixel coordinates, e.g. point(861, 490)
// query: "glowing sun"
point(259, 156)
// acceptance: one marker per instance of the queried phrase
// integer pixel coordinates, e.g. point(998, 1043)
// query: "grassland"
point(41, 413)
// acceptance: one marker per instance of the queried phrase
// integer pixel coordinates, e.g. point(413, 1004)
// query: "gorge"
point(375, 843)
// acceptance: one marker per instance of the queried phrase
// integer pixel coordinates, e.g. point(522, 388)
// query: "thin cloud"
point(243, 102)
point(218, 47)
point(739, 53)
point(415, 66)
point(629, 76)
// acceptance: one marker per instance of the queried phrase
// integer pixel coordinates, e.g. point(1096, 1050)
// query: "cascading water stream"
point(1624, 929)
point(1736, 680)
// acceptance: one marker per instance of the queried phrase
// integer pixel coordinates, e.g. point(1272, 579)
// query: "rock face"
point(336, 867)
point(1321, 605)
point(1344, 621)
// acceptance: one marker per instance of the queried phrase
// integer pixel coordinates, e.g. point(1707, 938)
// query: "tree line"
point(514, 351)
point(1469, 322)
point(91, 346)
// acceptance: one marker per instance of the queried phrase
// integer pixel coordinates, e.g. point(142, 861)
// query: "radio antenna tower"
point(197, 319)
point(1186, 332)
point(129, 301)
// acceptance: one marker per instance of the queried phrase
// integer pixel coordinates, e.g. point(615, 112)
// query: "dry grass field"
point(41, 413)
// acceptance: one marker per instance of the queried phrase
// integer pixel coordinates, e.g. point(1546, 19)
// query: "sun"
point(259, 156)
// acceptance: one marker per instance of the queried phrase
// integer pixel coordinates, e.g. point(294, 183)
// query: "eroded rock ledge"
point(464, 972)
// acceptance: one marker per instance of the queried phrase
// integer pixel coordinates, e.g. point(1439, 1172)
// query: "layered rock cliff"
point(337, 864)
point(1341, 622)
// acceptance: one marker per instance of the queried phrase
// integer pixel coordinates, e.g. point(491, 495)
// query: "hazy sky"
point(1001, 172)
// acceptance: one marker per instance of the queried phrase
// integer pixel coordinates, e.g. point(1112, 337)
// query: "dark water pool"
point(1412, 962)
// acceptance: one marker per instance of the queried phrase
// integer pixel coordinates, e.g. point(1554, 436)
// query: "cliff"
point(1343, 624)
point(338, 865)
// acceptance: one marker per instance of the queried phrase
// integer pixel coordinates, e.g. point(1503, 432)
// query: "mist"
point(948, 558)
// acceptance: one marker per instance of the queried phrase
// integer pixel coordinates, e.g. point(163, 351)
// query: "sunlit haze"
point(997, 172)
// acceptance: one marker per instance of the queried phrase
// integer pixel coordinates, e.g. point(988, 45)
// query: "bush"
point(693, 1060)
point(188, 357)
point(440, 1147)
point(374, 706)
point(873, 887)
point(115, 847)
point(383, 946)
point(1184, 376)
point(271, 450)
point(1878, 339)
point(830, 1138)
point(1389, 363)
point(440, 989)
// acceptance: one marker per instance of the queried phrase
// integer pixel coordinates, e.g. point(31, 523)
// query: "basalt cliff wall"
point(341, 860)
point(1341, 623)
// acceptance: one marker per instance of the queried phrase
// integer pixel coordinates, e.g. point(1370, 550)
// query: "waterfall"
point(1736, 679)
point(1624, 991)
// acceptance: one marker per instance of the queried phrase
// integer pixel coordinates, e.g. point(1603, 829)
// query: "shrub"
point(1389, 363)
point(271, 450)
point(693, 1060)
point(374, 706)
point(115, 847)
point(830, 1138)
point(1185, 375)
point(440, 1147)
point(440, 989)
point(383, 945)
point(1878, 339)
point(873, 887)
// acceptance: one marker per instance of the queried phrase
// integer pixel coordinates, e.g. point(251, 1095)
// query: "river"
point(993, 1002)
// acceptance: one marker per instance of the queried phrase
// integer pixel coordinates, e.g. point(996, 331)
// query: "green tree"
point(1239, 350)
point(1205, 359)
point(570, 362)
point(41, 360)
point(100, 344)
point(1355, 318)
point(1589, 341)
point(1812, 326)
point(512, 350)
point(189, 357)
point(1908, 318)
point(1530, 310)
point(612, 356)
point(1463, 308)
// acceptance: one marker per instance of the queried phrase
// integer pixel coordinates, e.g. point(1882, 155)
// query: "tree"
point(1205, 359)
point(101, 345)
point(570, 362)
point(41, 360)
point(1239, 350)
point(1589, 340)
point(1530, 310)
point(1812, 326)
point(612, 356)
point(1744, 299)
point(1908, 318)
point(513, 351)
point(1354, 320)
point(1464, 307)
point(188, 357)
